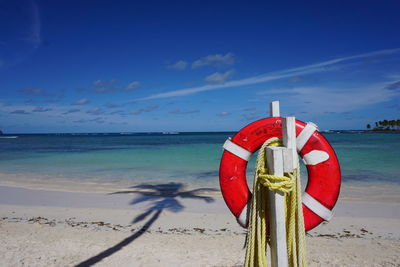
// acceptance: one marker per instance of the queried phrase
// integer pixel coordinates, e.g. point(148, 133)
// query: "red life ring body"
point(322, 190)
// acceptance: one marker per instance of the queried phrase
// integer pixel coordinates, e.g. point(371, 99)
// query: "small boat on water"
point(8, 136)
point(3, 136)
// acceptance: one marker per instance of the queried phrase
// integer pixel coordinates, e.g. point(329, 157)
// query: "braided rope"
point(258, 232)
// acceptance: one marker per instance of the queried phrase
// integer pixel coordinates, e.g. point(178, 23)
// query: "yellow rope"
point(258, 232)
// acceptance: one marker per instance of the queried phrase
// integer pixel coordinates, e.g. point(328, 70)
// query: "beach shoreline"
point(371, 192)
point(164, 227)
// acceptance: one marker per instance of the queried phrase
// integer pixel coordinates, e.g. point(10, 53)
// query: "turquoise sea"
point(189, 158)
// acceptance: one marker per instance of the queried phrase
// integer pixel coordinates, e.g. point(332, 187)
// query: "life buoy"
point(323, 187)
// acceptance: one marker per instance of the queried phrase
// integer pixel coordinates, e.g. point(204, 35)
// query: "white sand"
point(60, 228)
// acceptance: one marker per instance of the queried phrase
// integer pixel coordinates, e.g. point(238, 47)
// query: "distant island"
point(385, 126)
point(1, 132)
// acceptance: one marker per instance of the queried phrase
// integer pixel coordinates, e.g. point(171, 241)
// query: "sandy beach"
point(121, 120)
point(169, 225)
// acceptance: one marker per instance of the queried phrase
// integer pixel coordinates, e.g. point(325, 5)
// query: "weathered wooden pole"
point(280, 160)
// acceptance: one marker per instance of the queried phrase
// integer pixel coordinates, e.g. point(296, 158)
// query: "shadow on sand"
point(162, 197)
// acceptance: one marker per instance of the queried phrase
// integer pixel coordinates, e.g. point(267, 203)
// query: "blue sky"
point(133, 66)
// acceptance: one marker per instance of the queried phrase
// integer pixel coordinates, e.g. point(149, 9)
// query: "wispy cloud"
point(296, 79)
point(216, 60)
point(95, 111)
point(73, 110)
point(178, 111)
point(100, 86)
point(82, 101)
point(224, 113)
point(104, 87)
point(32, 91)
point(119, 112)
point(35, 32)
point(307, 69)
point(180, 65)
point(145, 109)
point(218, 78)
point(132, 86)
point(98, 120)
point(20, 112)
point(41, 109)
point(28, 39)
point(53, 100)
point(394, 86)
point(337, 99)
point(40, 92)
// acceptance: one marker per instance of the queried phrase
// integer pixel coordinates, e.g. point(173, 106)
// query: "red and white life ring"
point(322, 190)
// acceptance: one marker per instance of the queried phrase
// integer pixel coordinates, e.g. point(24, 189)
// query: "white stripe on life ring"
point(315, 157)
point(243, 220)
point(237, 150)
point(304, 135)
point(317, 207)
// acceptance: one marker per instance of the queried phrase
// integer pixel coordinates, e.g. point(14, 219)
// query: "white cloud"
point(41, 109)
point(145, 109)
point(20, 112)
point(214, 60)
point(35, 32)
point(332, 100)
point(180, 65)
point(393, 76)
point(32, 91)
point(178, 111)
point(100, 86)
point(224, 113)
point(82, 101)
point(95, 111)
point(393, 86)
point(40, 92)
point(111, 86)
point(218, 78)
point(73, 110)
point(132, 86)
point(307, 69)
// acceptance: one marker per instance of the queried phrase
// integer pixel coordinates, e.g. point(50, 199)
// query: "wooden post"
point(276, 158)
point(277, 210)
point(289, 141)
point(274, 109)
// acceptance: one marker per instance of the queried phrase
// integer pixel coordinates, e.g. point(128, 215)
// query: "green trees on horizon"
point(386, 125)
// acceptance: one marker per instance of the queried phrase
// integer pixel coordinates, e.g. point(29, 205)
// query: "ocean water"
point(188, 158)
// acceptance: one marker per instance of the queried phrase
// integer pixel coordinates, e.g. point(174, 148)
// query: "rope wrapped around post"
point(258, 232)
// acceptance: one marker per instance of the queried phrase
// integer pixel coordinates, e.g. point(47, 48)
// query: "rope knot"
point(282, 184)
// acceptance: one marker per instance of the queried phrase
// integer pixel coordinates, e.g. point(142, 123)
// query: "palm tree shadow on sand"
point(162, 197)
